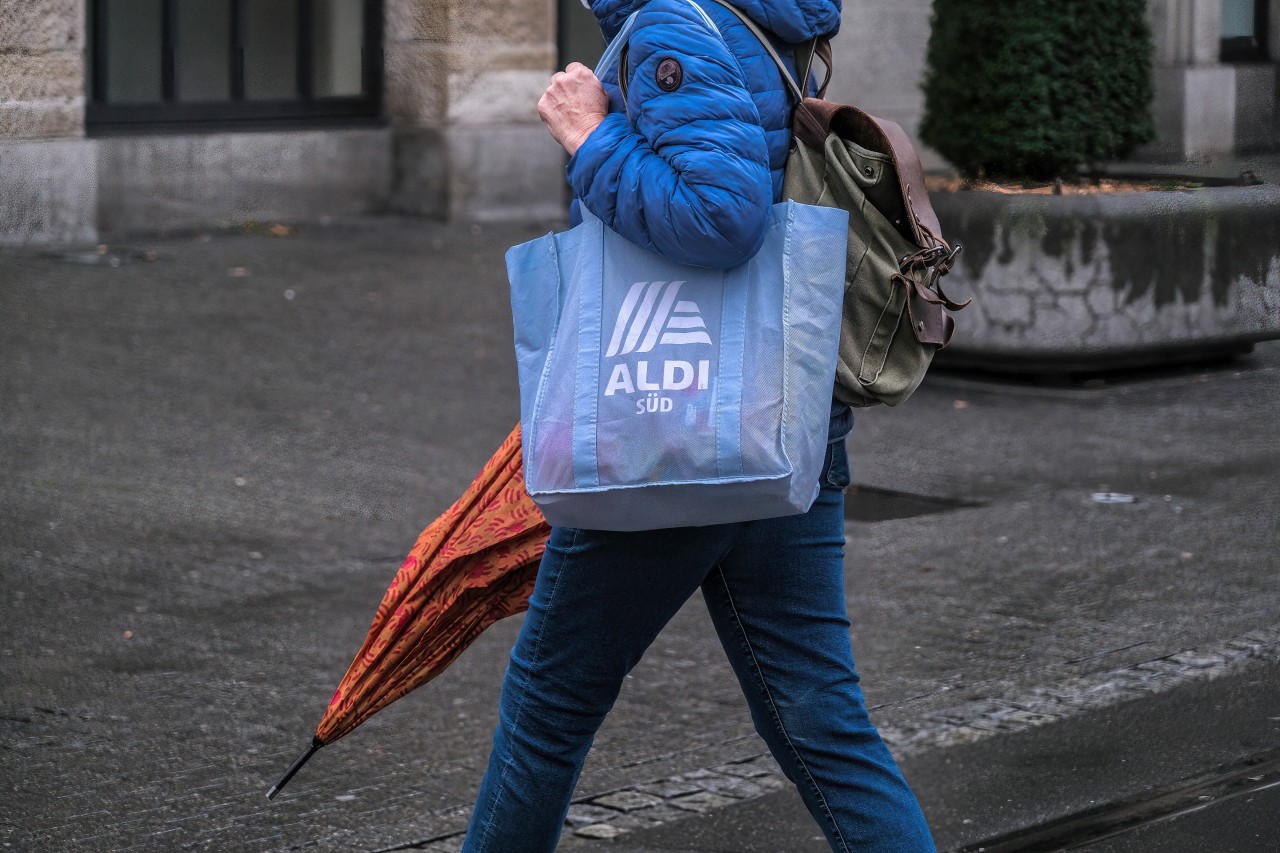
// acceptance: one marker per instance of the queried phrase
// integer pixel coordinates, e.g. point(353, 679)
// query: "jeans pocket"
point(835, 471)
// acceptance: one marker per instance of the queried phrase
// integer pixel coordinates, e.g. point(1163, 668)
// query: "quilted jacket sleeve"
point(687, 174)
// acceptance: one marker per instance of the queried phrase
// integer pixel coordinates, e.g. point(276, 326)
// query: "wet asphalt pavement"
point(213, 461)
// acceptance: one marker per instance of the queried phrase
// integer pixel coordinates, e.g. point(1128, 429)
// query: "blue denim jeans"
point(775, 592)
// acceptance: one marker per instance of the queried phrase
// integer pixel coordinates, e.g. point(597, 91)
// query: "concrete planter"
point(1094, 281)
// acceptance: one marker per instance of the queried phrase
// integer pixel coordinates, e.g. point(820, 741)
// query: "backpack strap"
point(818, 47)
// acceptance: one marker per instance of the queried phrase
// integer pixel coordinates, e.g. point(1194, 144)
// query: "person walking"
point(689, 167)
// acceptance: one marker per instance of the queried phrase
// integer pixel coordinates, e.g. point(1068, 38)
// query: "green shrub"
point(1035, 88)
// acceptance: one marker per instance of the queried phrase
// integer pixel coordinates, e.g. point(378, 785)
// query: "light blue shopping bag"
point(654, 394)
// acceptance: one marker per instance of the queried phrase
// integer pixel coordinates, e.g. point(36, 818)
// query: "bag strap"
point(618, 47)
point(818, 47)
point(768, 47)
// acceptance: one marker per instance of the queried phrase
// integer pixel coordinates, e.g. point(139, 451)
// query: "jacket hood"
point(789, 20)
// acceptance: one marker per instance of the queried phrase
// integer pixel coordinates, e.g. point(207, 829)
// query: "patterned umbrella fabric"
point(472, 566)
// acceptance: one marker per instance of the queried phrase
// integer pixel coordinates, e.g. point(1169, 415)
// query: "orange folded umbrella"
point(472, 566)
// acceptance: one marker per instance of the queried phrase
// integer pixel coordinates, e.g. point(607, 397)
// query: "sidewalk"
point(214, 461)
point(1101, 783)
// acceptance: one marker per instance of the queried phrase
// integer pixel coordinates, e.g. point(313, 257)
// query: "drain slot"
point(869, 504)
point(105, 256)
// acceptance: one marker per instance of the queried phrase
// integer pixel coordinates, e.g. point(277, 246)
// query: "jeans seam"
point(524, 695)
point(827, 480)
point(777, 718)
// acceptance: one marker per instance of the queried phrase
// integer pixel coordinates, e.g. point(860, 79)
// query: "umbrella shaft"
point(294, 768)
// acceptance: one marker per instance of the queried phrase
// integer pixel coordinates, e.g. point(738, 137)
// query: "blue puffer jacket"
point(691, 169)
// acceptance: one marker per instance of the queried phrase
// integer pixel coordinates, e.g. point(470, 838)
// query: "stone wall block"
point(416, 20)
point(41, 77)
point(1118, 329)
point(42, 119)
point(1257, 128)
point(1163, 16)
point(525, 21)
point(508, 172)
point(1194, 112)
point(463, 79)
point(1260, 304)
point(416, 81)
point(38, 26)
point(1206, 31)
point(420, 184)
point(49, 191)
point(1068, 314)
point(1101, 299)
point(167, 182)
point(1006, 310)
point(496, 56)
point(471, 23)
point(1209, 107)
point(488, 97)
point(1167, 114)
point(1185, 32)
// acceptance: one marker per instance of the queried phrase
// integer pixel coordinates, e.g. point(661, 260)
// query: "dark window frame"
point(1254, 49)
point(303, 110)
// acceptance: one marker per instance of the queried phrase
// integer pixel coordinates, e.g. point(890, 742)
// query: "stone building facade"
point(122, 116)
point(1216, 85)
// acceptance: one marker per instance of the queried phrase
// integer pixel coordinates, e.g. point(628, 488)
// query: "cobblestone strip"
point(976, 720)
point(653, 803)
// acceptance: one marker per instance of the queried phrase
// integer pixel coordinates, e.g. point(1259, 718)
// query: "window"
point(1244, 30)
point(235, 63)
point(577, 34)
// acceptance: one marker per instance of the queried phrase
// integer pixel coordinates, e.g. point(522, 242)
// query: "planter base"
point(1063, 364)
point(1078, 283)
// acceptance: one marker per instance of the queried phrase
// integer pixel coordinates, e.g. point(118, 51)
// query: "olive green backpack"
point(895, 312)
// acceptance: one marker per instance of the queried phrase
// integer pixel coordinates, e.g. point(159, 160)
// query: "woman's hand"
point(573, 105)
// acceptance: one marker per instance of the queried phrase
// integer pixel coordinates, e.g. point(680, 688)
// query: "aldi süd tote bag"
point(654, 394)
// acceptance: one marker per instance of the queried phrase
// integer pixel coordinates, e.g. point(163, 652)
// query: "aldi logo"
point(652, 315)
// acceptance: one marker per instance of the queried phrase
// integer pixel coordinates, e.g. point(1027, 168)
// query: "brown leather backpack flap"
point(815, 118)
point(811, 121)
point(887, 137)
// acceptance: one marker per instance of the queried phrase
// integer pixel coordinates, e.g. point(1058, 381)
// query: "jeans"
point(775, 592)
